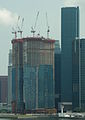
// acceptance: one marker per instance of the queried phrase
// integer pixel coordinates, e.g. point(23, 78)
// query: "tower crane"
point(20, 28)
point(33, 28)
point(48, 28)
point(14, 32)
point(13, 29)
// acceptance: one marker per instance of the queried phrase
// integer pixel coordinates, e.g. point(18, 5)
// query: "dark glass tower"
point(75, 74)
point(69, 31)
point(78, 75)
point(57, 73)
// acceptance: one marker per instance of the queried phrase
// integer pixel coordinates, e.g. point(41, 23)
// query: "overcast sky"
point(27, 9)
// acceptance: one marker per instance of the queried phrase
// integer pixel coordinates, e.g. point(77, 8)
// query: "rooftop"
point(32, 39)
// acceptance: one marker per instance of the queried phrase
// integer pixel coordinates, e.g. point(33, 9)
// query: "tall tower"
point(33, 73)
point(69, 31)
point(78, 74)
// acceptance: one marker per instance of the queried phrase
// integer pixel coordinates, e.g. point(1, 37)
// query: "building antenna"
point(33, 28)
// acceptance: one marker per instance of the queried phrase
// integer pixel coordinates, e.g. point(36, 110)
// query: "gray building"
point(10, 77)
point(69, 31)
point(3, 89)
point(78, 75)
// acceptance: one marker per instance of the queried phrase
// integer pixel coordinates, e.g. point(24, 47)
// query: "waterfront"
point(43, 118)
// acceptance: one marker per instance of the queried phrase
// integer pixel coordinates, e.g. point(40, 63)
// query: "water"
point(43, 118)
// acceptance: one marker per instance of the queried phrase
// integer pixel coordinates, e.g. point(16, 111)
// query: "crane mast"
point(14, 32)
point(48, 28)
point(33, 28)
point(20, 28)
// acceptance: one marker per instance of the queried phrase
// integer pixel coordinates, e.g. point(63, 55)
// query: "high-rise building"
point(10, 78)
point(78, 75)
point(17, 75)
point(69, 31)
point(3, 89)
point(33, 73)
point(57, 73)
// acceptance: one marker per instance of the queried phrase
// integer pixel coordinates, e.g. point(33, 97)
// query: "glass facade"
point(82, 73)
point(69, 31)
point(45, 87)
point(75, 75)
point(29, 87)
point(17, 87)
point(79, 75)
point(38, 87)
point(57, 74)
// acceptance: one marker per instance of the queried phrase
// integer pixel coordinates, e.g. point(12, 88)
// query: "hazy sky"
point(11, 9)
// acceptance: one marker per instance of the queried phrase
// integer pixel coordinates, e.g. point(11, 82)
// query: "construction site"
point(33, 73)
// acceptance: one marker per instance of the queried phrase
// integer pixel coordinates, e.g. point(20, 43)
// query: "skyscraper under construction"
point(33, 73)
point(17, 76)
